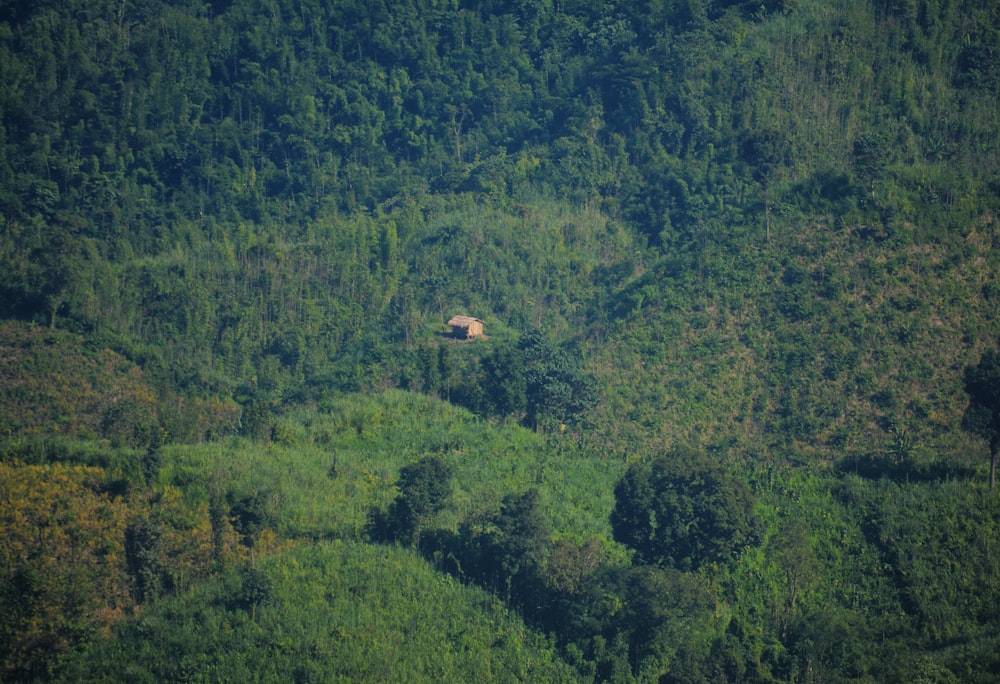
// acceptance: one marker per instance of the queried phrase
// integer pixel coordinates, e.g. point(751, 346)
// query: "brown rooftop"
point(466, 326)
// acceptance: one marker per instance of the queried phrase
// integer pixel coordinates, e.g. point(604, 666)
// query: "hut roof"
point(463, 321)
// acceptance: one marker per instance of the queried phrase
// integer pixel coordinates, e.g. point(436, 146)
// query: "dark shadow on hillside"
point(460, 337)
point(913, 470)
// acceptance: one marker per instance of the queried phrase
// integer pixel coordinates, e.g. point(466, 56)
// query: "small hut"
point(465, 327)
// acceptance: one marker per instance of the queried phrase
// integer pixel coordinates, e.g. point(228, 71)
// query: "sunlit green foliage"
point(334, 612)
point(231, 235)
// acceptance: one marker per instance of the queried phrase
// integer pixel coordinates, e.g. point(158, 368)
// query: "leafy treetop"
point(683, 510)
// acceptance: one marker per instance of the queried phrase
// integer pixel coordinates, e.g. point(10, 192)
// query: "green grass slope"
point(876, 569)
point(327, 467)
point(334, 612)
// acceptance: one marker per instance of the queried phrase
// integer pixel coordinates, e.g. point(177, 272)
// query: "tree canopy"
point(424, 488)
point(232, 232)
point(682, 510)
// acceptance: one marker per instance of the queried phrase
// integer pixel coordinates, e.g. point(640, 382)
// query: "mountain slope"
point(332, 612)
point(759, 236)
point(269, 203)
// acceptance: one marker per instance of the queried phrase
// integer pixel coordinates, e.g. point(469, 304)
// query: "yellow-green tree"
point(62, 562)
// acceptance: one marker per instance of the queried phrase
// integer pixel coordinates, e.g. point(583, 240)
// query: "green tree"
point(506, 389)
point(424, 489)
point(250, 516)
point(664, 613)
point(429, 360)
point(446, 370)
point(792, 550)
point(766, 152)
point(982, 416)
point(556, 389)
point(683, 510)
point(131, 423)
point(257, 420)
point(256, 589)
point(871, 152)
point(145, 566)
point(508, 549)
point(661, 619)
point(522, 533)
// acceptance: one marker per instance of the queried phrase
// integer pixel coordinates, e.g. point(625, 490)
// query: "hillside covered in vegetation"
point(738, 265)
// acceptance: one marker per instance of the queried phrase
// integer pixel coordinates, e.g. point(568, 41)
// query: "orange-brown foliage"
point(62, 559)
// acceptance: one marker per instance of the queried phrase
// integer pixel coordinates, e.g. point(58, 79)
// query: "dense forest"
point(735, 417)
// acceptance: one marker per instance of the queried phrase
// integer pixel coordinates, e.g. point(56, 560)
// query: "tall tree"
point(250, 516)
point(506, 391)
point(517, 545)
point(424, 488)
point(506, 549)
point(556, 389)
point(765, 151)
point(683, 510)
point(982, 417)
